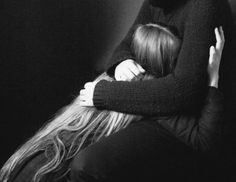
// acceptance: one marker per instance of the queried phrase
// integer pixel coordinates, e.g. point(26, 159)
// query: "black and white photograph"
point(118, 90)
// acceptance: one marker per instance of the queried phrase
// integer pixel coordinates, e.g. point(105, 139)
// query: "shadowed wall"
point(48, 50)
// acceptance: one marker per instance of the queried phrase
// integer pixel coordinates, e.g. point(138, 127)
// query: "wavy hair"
point(76, 127)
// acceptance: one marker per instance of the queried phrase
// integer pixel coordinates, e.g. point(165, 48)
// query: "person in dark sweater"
point(179, 91)
point(149, 42)
point(154, 142)
point(195, 20)
point(185, 87)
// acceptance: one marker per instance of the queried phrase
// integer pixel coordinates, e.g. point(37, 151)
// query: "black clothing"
point(195, 21)
point(184, 89)
point(146, 151)
point(160, 142)
point(147, 145)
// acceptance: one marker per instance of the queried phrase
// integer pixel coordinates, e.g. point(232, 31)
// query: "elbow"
point(191, 91)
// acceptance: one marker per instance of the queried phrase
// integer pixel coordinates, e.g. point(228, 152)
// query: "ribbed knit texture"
point(195, 21)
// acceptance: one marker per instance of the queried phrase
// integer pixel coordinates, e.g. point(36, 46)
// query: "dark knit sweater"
point(195, 21)
point(201, 131)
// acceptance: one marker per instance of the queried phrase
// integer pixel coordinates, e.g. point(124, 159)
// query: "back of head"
point(156, 48)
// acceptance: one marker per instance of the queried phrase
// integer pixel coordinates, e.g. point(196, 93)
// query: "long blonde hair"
point(76, 127)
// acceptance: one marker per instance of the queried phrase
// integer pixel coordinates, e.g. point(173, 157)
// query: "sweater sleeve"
point(177, 91)
point(123, 51)
point(202, 131)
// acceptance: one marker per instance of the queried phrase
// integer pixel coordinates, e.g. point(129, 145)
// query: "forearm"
point(200, 130)
point(145, 97)
point(179, 90)
point(208, 132)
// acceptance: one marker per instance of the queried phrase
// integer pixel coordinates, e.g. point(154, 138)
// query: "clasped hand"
point(86, 94)
point(126, 71)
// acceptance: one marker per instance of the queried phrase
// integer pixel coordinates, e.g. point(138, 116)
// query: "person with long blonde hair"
point(52, 153)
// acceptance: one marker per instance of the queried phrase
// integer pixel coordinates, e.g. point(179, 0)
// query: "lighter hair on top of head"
point(162, 27)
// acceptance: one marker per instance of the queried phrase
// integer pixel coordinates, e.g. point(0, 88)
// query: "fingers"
point(82, 92)
point(212, 53)
point(86, 94)
point(220, 39)
point(212, 50)
point(83, 95)
point(140, 68)
point(136, 69)
point(215, 57)
point(222, 33)
point(86, 89)
point(128, 70)
point(124, 75)
point(85, 103)
point(129, 73)
point(88, 85)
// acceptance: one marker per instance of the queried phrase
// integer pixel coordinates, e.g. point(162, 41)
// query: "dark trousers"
point(141, 152)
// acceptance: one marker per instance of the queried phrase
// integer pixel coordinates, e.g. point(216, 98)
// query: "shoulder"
point(205, 5)
point(203, 11)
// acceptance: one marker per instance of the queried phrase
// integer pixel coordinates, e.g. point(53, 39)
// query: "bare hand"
point(215, 57)
point(128, 70)
point(86, 94)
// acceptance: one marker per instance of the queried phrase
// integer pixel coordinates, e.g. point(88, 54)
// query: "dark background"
point(48, 50)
